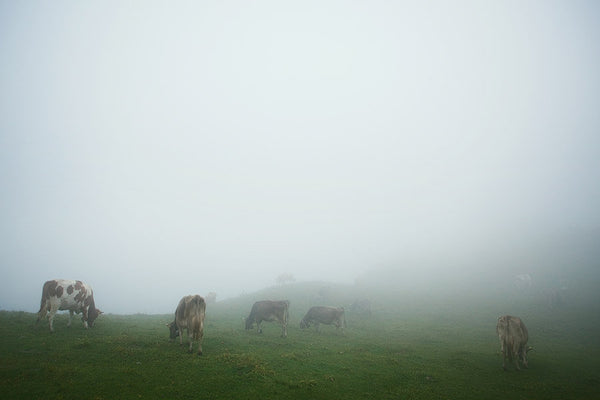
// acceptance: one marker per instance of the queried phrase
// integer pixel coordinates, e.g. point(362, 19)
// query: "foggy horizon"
point(155, 150)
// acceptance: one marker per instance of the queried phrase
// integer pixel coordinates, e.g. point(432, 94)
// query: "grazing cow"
point(75, 296)
point(268, 310)
point(324, 315)
point(513, 340)
point(189, 315)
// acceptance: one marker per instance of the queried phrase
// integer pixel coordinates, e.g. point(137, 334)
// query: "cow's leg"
point(284, 329)
point(70, 317)
point(200, 336)
point(258, 322)
point(524, 356)
point(340, 326)
point(503, 357)
point(318, 327)
point(51, 318)
point(180, 330)
point(84, 317)
point(191, 338)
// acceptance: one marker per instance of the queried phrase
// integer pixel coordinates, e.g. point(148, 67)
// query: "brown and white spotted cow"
point(324, 315)
point(189, 315)
point(75, 296)
point(269, 310)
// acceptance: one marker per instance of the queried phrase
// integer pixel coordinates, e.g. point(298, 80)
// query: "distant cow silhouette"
point(268, 310)
point(324, 315)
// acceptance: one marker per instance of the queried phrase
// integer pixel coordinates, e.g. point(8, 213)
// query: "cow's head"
point(173, 330)
point(304, 324)
point(93, 313)
point(249, 323)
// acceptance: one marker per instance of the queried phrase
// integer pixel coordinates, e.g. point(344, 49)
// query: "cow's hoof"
point(199, 353)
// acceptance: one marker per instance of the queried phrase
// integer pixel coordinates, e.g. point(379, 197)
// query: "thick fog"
point(157, 149)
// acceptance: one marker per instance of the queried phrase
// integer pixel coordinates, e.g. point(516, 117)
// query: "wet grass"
point(430, 353)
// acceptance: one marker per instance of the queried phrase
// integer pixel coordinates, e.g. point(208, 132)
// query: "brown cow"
point(189, 315)
point(268, 310)
point(324, 315)
point(513, 337)
point(75, 296)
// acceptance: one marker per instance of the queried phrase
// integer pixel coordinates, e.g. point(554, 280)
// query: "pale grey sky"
point(212, 145)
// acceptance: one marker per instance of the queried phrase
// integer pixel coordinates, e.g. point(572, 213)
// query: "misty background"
point(156, 149)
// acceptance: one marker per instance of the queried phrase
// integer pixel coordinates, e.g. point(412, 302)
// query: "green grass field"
point(405, 351)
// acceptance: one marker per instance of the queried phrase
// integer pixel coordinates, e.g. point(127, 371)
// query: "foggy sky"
point(157, 149)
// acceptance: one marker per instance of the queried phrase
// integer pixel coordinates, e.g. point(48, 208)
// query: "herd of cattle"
point(78, 297)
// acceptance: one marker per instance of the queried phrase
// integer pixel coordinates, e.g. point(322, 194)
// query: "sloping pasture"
point(403, 350)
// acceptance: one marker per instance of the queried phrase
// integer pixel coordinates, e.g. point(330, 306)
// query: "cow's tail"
point(197, 322)
point(43, 310)
point(43, 304)
point(196, 327)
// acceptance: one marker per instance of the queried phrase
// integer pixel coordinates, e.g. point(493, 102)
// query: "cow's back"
point(195, 306)
point(516, 330)
point(324, 314)
point(188, 307)
point(265, 308)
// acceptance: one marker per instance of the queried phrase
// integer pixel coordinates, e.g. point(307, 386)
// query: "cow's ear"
point(99, 311)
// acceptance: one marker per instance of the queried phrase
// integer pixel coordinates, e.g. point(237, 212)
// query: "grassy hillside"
point(422, 350)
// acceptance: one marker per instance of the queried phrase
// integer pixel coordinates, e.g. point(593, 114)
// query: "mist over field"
point(157, 149)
